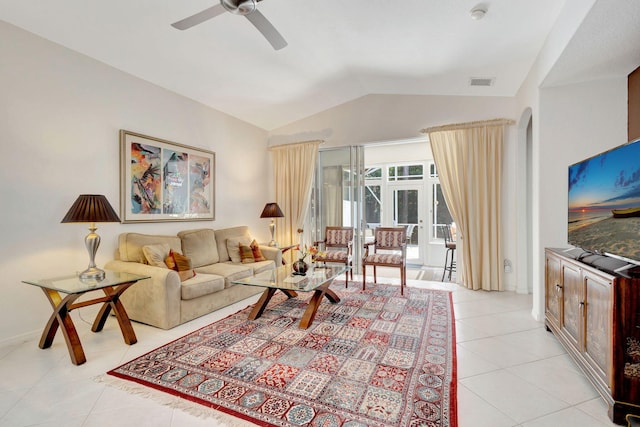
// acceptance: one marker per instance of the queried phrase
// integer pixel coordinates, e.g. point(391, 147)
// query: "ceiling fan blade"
point(267, 29)
point(199, 17)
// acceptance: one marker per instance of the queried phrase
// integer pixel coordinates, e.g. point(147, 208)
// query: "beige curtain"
point(468, 158)
point(294, 165)
point(332, 195)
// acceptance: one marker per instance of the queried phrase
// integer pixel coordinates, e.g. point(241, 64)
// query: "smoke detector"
point(478, 12)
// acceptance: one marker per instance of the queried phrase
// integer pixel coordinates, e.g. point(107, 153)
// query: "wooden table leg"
point(314, 304)
point(289, 293)
point(258, 309)
point(60, 317)
point(114, 303)
point(331, 296)
point(262, 303)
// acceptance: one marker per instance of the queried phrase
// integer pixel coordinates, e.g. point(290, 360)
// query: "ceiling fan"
point(246, 8)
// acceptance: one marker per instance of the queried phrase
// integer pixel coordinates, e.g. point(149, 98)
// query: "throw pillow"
point(155, 254)
point(257, 253)
point(233, 247)
point(250, 253)
point(246, 254)
point(180, 263)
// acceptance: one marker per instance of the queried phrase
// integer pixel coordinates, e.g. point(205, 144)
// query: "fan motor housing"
point(239, 7)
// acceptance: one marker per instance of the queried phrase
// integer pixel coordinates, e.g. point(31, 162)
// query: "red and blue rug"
point(374, 359)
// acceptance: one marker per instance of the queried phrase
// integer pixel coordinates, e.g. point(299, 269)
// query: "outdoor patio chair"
point(450, 245)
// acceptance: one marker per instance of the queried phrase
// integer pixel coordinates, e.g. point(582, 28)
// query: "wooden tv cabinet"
point(595, 313)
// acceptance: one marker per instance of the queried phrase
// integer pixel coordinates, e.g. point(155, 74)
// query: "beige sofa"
point(164, 300)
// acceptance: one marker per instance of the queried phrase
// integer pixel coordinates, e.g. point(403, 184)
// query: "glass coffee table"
point(317, 280)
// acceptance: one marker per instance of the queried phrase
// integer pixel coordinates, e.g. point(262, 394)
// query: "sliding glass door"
point(338, 193)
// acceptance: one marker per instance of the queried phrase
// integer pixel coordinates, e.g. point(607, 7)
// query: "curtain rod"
point(313, 141)
point(456, 126)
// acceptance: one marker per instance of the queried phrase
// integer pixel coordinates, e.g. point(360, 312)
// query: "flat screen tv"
point(604, 203)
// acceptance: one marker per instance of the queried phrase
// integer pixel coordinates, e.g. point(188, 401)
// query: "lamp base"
point(272, 230)
point(92, 273)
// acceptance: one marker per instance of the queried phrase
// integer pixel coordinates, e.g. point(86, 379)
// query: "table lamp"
point(91, 208)
point(272, 210)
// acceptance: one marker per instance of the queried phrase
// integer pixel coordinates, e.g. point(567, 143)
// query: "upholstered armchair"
point(336, 247)
point(389, 250)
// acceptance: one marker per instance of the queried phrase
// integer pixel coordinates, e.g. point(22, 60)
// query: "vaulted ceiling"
point(337, 50)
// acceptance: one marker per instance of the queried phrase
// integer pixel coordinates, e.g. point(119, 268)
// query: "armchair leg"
point(375, 278)
point(364, 276)
point(403, 279)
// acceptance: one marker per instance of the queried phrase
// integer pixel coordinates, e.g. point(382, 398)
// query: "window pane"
point(406, 173)
point(406, 207)
point(373, 173)
point(441, 214)
point(372, 204)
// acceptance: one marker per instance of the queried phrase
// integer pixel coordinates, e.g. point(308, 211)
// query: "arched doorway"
point(524, 283)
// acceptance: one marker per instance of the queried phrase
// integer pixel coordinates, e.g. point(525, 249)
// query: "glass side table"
point(113, 285)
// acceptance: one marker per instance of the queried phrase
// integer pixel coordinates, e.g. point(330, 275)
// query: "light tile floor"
point(511, 372)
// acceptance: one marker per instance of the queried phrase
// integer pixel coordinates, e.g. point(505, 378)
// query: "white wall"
point(60, 113)
point(570, 123)
point(576, 122)
point(375, 118)
point(528, 98)
point(389, 153)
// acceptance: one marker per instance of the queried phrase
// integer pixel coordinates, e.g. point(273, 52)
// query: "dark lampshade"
point(91, 208)
point(271, 210)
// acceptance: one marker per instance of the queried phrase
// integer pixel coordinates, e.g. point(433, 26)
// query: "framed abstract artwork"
point(165, 181)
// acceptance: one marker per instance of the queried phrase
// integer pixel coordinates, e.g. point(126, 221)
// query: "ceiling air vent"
point(481, 81)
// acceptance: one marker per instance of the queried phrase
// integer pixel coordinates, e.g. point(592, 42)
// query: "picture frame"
point(162, 180)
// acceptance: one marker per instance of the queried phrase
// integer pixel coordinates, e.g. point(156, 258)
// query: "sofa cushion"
point(156, 254)
point(201, 284)
point(221, 238)
point(229, 271)
point(233, 247)
point(130, 245)
point(199, 246)
point(259, 266)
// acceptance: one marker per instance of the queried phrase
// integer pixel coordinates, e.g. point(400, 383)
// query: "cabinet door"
point(553, 294)
point(572, 304)
point(598, 327)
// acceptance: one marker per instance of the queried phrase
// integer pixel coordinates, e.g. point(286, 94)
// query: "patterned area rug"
point(373, 359)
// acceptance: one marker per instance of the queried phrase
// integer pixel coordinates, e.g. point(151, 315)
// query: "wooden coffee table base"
point(60, 317)
point(312, 308)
